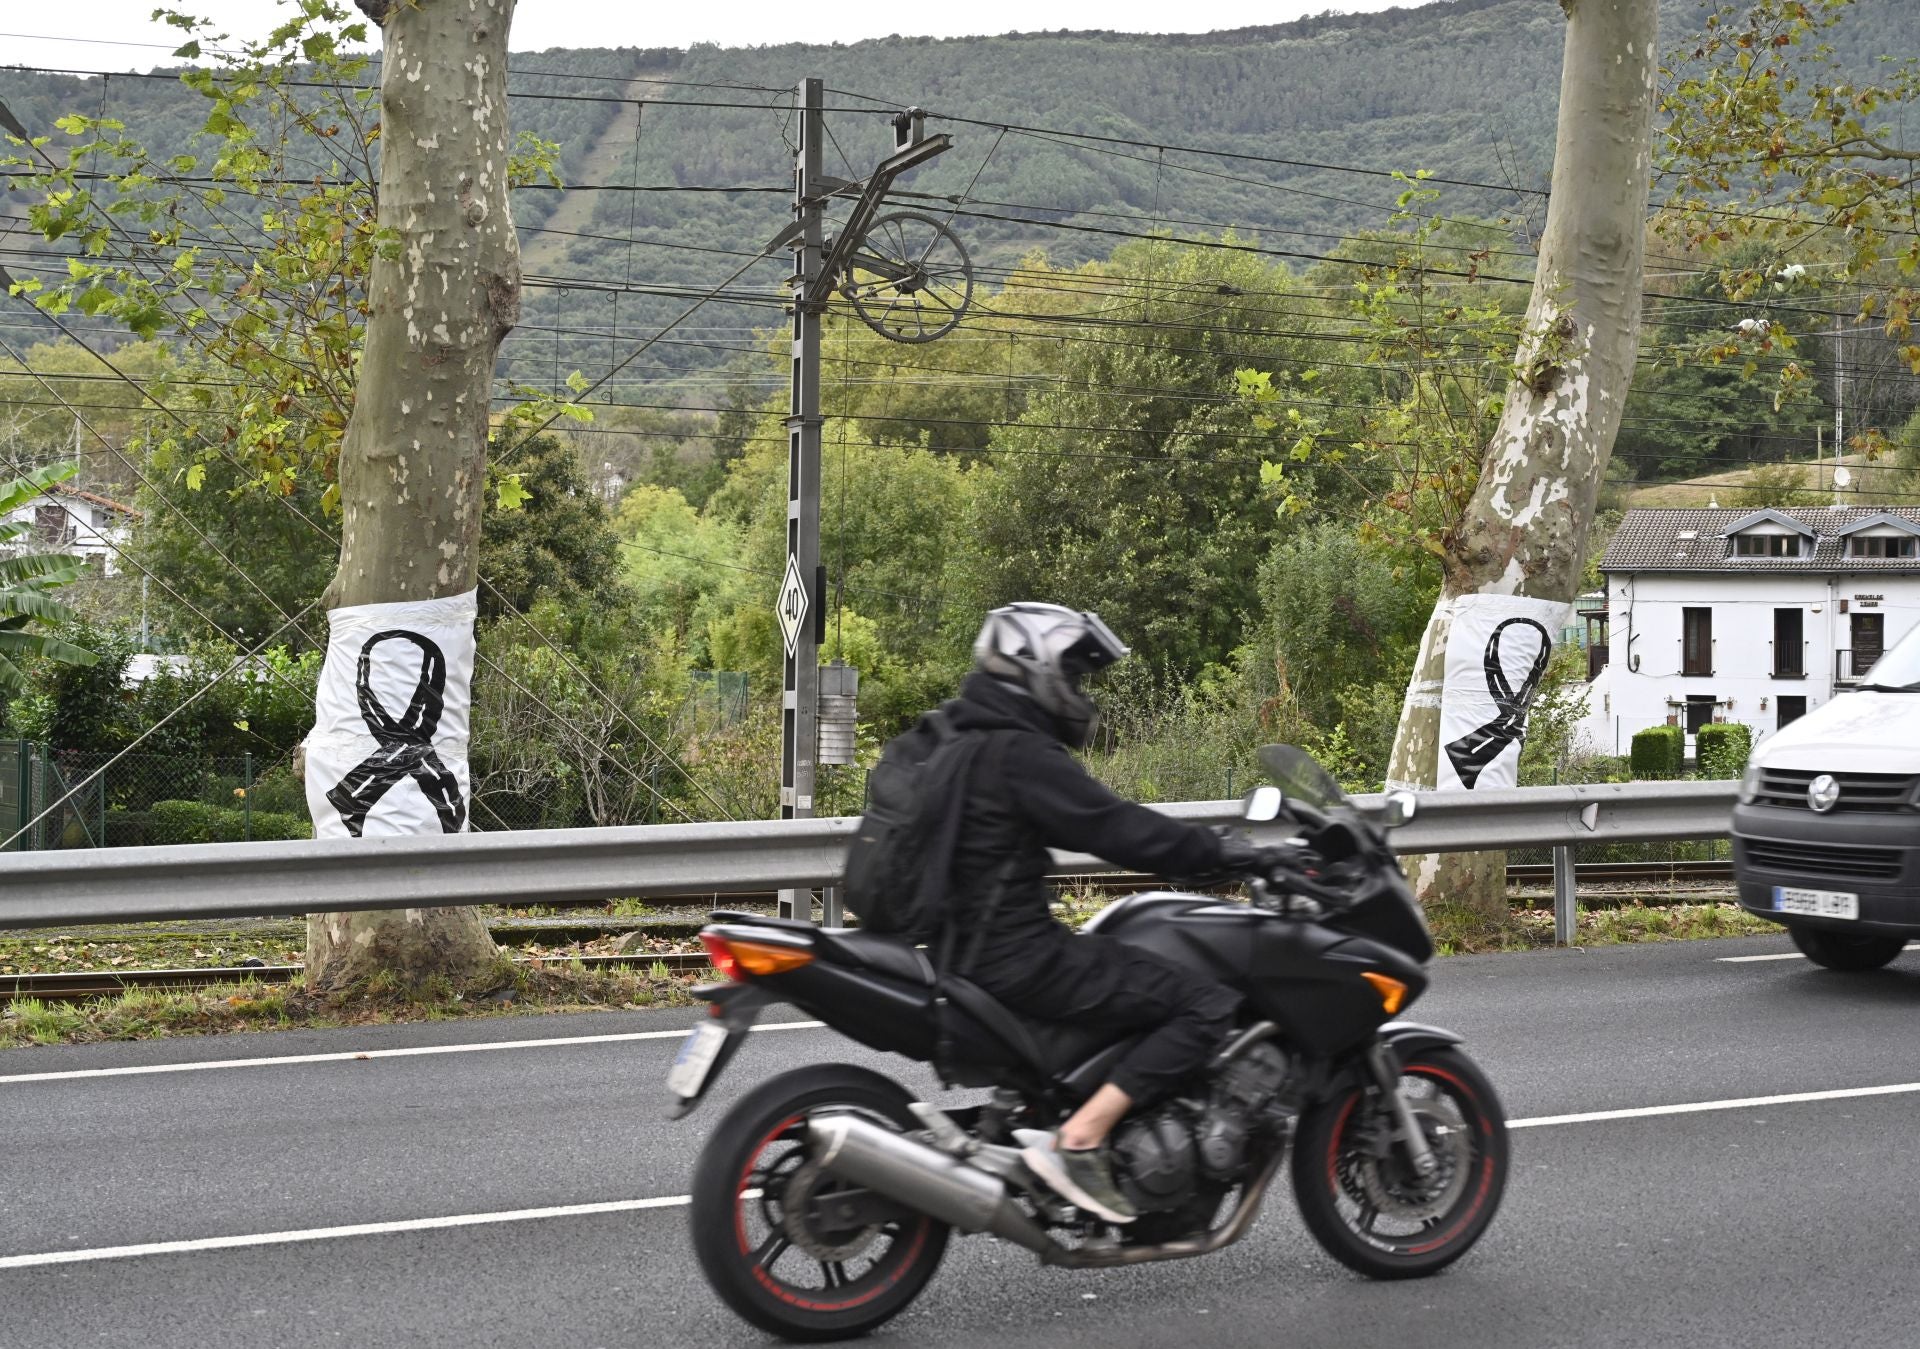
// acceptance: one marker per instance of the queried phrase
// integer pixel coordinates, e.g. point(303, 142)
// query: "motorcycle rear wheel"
point(784, 1272)
point(1370, 1212)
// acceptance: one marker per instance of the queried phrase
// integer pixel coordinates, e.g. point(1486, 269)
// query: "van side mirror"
point(1263, 805)
point(1400, 809)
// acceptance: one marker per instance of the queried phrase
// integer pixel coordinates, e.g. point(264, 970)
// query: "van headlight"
point(1750, 784)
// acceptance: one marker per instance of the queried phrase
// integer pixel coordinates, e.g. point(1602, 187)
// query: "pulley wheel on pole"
point(909, 278)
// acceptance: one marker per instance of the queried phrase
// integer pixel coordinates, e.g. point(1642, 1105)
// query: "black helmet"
point(1046, 649)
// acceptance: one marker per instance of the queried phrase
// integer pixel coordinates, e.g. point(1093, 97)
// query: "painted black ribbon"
point(406, 743)
point(1472, 752)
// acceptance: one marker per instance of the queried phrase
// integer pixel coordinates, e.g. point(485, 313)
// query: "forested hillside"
point(1464, 89)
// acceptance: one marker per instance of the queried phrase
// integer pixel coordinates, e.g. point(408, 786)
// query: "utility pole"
point(1839, 403)
point(802, 601)
point(819, 268)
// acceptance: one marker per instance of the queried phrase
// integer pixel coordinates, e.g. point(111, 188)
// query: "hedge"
point(197, 822)
point(1722, 749)
point(1658, 752)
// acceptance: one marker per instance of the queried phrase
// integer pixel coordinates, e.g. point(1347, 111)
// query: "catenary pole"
point(801, 606)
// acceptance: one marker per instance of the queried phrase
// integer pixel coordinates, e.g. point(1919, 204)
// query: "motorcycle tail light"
point(739, 959)
point(1392, 992)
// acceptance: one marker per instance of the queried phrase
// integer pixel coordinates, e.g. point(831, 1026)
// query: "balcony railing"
point(1850, 667)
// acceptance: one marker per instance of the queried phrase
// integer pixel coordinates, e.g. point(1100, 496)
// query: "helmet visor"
point(1094, 649)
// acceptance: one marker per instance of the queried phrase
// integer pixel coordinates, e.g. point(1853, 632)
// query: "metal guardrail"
point(232, 880)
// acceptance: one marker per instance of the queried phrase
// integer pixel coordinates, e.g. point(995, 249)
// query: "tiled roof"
point(1689, 540)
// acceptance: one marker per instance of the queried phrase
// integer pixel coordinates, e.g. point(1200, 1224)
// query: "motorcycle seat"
point(1050, 1046)
point(894, 957)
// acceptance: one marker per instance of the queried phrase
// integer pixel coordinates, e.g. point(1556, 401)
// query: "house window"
point(1766, 545)
point(1876, 545)
point(50, 523)
point(1696, 642)
point(1791, 710)
point(1789, 646)
point(1699, 711)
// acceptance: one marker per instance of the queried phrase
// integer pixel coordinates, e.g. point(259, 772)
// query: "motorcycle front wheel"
point(768, 1233)
point(1360, 1195)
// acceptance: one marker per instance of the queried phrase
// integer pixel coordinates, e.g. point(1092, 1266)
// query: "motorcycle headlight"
point(1750, 784)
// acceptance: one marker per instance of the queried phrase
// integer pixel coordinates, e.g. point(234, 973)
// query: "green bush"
point(1722, 748)
point(196, 822)
point(1658, 752)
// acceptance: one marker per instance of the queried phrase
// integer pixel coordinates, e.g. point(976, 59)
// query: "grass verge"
point(1460, 930)
point(512, 989)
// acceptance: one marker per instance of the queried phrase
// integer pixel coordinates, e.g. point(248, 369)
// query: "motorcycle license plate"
point(1815, 903)
point(696, 1058)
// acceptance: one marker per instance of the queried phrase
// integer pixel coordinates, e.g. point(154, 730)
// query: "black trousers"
point(1099, 981)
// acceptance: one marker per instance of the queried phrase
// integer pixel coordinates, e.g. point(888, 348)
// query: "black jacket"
point(1026, 793)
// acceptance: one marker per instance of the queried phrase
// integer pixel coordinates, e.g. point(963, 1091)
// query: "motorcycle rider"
point(1026, 794)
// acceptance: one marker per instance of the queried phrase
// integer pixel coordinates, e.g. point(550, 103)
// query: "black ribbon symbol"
point(406, 743)
point(1472, 752)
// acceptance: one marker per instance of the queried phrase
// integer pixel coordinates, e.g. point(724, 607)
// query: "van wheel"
point(1845, 950)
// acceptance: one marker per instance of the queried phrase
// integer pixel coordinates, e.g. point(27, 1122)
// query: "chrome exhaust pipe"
point(923, 1178)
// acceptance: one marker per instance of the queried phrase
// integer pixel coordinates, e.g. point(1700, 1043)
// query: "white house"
point(1749, 616)
point(68, 520)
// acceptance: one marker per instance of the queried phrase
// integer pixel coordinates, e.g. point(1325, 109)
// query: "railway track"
point(78, 985)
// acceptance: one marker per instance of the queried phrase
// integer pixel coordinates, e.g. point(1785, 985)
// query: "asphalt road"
point(1754, 1225)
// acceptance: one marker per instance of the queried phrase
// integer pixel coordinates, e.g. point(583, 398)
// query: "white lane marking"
point(681, 1200)
point(1784, 955)
point(1702, 1107)
point(331, 1233)
point(349, 1056)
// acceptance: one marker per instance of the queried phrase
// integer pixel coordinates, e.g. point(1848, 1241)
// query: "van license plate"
point(695, 1059)
point(1815, 903)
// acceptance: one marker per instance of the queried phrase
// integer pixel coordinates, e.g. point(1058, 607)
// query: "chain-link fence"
point(59, 798)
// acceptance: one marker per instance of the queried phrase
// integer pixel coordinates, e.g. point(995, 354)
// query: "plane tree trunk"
point(1524, 533)
point(413, 464)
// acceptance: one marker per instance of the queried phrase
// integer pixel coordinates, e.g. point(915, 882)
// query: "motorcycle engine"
point(1242, 1090)
point(1154, 1159)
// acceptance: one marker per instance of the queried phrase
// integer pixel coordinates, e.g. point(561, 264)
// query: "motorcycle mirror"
point(1400, 808)
point(1263, 804)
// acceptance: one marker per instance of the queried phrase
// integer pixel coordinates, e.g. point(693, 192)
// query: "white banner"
point(1497, 653)
point(388, 750)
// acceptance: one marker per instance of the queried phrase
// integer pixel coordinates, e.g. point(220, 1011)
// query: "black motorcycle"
point(823, 1201)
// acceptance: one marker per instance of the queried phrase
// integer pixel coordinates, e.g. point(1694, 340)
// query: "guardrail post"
point(830, 913)
point(1564, 896)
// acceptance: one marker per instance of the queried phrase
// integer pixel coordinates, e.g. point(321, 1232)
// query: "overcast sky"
point(540, 24)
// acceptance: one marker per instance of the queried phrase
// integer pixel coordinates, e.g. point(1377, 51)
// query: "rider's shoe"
point(1083, 1177)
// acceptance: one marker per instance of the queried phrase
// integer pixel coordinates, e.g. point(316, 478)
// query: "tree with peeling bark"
point(444, 292)
point(1523, 534)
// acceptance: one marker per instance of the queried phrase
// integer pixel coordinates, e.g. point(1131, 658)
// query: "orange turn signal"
point(738, 959)
point(1392, 992)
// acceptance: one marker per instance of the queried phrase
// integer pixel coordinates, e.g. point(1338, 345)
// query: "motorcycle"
point(823, 1202)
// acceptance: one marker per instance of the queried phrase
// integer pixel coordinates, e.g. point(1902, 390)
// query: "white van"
point(1826, 835)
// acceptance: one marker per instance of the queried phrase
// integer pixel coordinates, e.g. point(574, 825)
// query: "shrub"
point(1658, 752)
point(196, 822)
point(1722, 749)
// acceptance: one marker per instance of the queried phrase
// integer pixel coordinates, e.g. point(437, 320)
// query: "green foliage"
point(1722, 747)
point(557, 543)
point(1773, 485)
point(1658, 752)
point(281, 563)
point(197, 822)
point(27, 582)
point(1791, 109)
point(1340, 613)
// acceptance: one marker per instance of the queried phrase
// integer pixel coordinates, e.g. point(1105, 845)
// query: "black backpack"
point(896, 879)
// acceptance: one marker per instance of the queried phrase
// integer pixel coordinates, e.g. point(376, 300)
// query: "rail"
point(233, 880)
